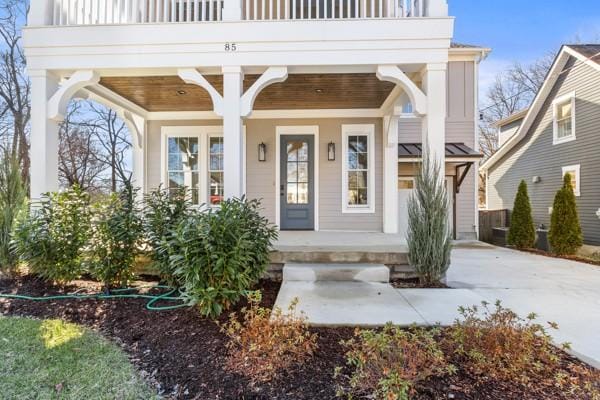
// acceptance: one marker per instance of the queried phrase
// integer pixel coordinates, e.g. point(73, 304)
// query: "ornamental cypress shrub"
point(565, 231)
point(521, 233)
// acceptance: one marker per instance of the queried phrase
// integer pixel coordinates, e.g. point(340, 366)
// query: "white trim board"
point(296, 130)
point(269, 114)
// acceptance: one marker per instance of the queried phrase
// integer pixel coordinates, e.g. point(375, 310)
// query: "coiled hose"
point(115, 294)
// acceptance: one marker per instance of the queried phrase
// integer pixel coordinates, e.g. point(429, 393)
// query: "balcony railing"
point(100, 12)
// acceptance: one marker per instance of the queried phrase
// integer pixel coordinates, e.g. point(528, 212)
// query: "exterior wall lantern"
point(262, 152)
point(331, 151)
point(598, 213)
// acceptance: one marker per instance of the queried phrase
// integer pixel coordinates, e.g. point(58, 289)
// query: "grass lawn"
point(53, 359)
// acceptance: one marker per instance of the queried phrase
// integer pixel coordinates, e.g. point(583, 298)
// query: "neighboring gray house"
point(558, 134)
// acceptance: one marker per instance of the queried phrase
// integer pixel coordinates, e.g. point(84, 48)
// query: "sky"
point(522, 31)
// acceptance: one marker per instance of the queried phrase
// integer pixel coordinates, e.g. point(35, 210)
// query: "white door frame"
point(296, 130)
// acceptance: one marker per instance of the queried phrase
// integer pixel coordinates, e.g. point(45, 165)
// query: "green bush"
point(565, 234)
point(429, 237)
point(218, 254)
point(163, 211)
point(12, 201)
point(521, 232)
point(51, 238)
point(391, 363)
point(116, 237)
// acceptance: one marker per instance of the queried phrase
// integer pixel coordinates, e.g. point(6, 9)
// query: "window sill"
point(563, 140)
point(358, 210)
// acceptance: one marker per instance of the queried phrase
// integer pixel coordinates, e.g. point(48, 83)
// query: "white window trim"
point(576, 168)
point(558, 101)
point(203, 133)
point(369, 131)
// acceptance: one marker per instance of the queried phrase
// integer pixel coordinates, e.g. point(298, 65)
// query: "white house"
point(318, 107)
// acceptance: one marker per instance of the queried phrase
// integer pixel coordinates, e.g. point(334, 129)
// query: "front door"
point(297, 182)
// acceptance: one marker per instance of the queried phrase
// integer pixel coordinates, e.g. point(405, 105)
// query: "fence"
point(490, 219)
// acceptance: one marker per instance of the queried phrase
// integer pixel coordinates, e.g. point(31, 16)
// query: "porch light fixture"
point(319, 90)
point(331, 151)
point(181, 92)
point(262, 152)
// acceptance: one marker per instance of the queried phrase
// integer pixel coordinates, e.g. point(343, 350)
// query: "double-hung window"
point(358, 171)
point(564, 118)
point(193, 160)
point(574, 174)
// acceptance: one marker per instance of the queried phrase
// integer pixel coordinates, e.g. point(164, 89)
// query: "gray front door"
point(297, 182)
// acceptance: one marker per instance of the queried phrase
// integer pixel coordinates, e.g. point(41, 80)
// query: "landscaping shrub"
point(521, 232)
point(51, 238)
point(264, 345)
point(429, 236)
point(389, 364)
point(12, 201)
point(499, 344)
point(220, 253)
point(163, 211)
point(565, 234)
point(117, 233)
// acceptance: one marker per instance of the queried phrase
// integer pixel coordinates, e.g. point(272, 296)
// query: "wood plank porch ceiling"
point(299, 91)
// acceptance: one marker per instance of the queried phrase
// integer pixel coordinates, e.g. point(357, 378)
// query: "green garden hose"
point(116, 294)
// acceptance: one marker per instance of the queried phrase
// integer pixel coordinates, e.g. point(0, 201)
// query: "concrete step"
point(336, 272)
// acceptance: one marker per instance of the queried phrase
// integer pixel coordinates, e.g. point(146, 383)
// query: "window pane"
point(303, 193)
point(191, 162)
point(175, 162)
point(292, 151)
point(292, 193)
point(363, 161)
point(564, 128)
point(216, 162)
point(183, 145)
point(352, 197)
point(303, 151)
point(303, 172)
point(216, 188)
point(352, 160)
point(352, 143)
point(216, 145)
point(564, 110)
point(362, 197)
point(362, 144)
point(173, 148)
point(404, 184)
point(193, 145)
point(175, 180)
point(292, 172)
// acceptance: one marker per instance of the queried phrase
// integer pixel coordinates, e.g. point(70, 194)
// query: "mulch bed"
point(183, 354)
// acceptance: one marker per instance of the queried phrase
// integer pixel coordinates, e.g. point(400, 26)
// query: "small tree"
point(565, 234)
point(429, 237)
point(521, 233)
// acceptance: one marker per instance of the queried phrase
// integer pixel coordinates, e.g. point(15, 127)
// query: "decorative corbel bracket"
point(57, 105)
point(394, 74)
point(193, 77)
point(270, 76)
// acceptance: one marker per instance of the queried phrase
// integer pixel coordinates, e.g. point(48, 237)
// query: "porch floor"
point(339, 247)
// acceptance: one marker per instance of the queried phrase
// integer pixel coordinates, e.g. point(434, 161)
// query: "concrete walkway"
point(562, 291)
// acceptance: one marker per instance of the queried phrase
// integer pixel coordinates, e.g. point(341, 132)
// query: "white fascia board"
point(269, 114)
point(533, 110)
point(272, 43)
point(583, 58)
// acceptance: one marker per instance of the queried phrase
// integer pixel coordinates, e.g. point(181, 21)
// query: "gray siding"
point(535, 155)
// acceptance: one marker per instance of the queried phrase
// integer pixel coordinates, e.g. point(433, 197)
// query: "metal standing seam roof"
point(453, 150)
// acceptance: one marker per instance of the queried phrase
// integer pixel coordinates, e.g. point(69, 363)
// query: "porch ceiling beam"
point(57, 105)
point(103, 95)
point(394, 74)
point(135, 125)
point(270, 76)
point(193, 77)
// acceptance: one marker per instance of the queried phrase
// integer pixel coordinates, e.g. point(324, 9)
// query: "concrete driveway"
point(562, 291)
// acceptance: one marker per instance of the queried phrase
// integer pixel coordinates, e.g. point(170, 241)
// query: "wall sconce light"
point(262, 152)
point(598, 213)
point(536, 179)
point(331, 151)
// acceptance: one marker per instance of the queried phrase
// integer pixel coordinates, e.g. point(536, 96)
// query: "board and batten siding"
point(460, 128)
point(535, 155)
point(260, 176)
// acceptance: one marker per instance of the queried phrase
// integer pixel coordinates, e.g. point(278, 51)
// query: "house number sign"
point(230, 47)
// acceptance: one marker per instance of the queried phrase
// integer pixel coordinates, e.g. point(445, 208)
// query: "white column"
point(434, 122)
point(390, 176)
point(233, 78)
point(232, 10)
point(44, 135)
point(40, 13)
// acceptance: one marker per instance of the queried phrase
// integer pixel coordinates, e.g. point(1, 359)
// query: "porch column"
point(390, 175)
point(233, 78)
point(44, 135)
point(434, 122)
point(232, 11)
